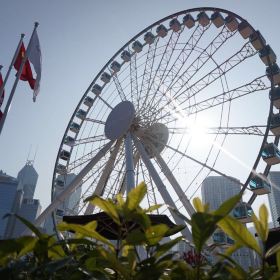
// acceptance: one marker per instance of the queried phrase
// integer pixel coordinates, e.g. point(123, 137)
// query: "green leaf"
point(107, 206)
point(152, 208)
point(27, 244)
point(135, 196)
point(28, 225)
point(179, 214)
point(263, 216)
point(274, 249)
point(55, 251)
point(238, 232)
point(119, 199)
point(197, 203)
point(136, 237)
point(155, 233)
point(227, 206)
point(203, 226)
point(174, 230)
point(165, 247)
point(87, 230)
point(230, 250)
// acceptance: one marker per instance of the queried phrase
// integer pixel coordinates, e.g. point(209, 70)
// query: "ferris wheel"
point(193, 95)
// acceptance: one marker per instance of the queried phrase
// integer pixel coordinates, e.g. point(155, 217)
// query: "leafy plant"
point(142, 250)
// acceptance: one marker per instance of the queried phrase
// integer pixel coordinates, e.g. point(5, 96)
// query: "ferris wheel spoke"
point(204, 56)
point(182, 57)
point(96, 138)
point(105, 174)
point(193, 89)
point(174, 183)
point(94, 121)
point(84, 158)
point(257, 130)
point(148, 70)
point(255, 86)
point(118, 87)
point(134, 80)
point(163, 63)
point(202, 164)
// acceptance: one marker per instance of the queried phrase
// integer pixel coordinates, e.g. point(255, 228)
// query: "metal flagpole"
point(12, 64)
point(16, 80)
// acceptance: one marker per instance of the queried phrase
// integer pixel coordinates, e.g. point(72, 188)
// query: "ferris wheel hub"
point(119, 120)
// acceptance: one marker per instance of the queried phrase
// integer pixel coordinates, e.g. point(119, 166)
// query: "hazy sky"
point(77, 38)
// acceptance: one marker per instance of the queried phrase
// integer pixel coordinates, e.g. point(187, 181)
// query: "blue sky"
point(77, 38)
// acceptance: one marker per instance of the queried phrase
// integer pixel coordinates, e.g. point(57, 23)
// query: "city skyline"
point(69, 64)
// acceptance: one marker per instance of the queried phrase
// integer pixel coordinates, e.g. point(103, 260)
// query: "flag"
point(35, 58)
point(26, 74)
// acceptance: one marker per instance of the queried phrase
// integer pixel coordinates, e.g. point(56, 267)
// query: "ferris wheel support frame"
point(161, 187)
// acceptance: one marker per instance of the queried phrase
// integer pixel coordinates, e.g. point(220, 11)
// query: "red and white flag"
point(35, 58)
point(26, 74)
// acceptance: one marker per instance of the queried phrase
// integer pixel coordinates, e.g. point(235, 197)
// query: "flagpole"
point(16, 80)
point(12, 64)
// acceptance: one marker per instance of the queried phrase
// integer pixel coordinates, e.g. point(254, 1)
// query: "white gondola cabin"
point(267, 55)
point(74, 127)
point(115, 66)
point(105, 77)
point(149, 38)
point(273, 73)
point(96, 89)
point(70, 141)
point(243, 212)
point(271, 154)
point(61, 169)
point(217, 19)
point(88, 101)
point(65, 155)
point(161, 31)
point(203, 19)
point(59, 183)
point(126, 56)
point(221, 238)
point(188, 21)
point(257, 40)
point(259, 185)
point(274, 125)
point(175, 25)
point(245, 29)
point(137, 46)
point(231, 23)
point(81, 114)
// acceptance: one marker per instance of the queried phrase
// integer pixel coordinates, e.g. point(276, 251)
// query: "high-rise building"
point(215, 190)
point(70, 206)
point(8, 191)
point(274, 196)
point(27, 180)
point(30, 209)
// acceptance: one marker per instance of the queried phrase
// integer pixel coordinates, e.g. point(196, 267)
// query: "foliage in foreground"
point(88, 255)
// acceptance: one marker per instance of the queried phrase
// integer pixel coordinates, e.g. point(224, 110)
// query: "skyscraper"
point(274, 196)
point(27, 180)
point(8, 190)
point(30, 209)
point(215, 190)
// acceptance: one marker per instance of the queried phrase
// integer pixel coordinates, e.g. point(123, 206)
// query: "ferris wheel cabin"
point(259, 185)
point(161, 31)
point(273, 73)
point(203, 19)
point(267, 55)
point(274, 95)
point(257, 40)
point(275, 124)
point(243, 212)
point(188, 21)
point(245, 30)
point(74, 127)
point(231, 23)
point(217, 19)
point(175, 25)
point(271, 154)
